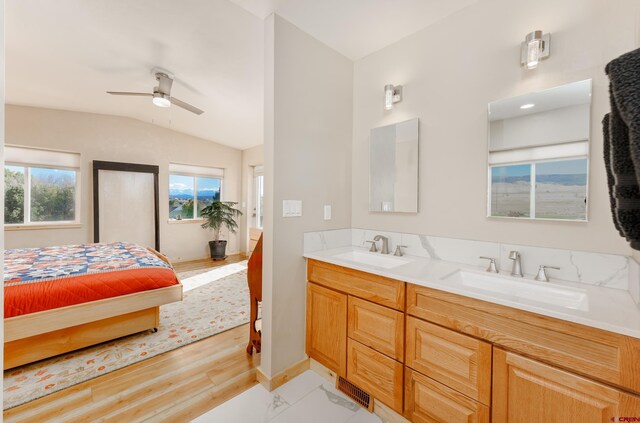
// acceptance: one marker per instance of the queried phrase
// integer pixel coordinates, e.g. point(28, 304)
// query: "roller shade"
point(214, 172)
point(547, 152)
point(38, 157)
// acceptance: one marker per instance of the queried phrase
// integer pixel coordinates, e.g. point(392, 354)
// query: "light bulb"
point(388, 97)
point(534, 48)
point(161, 101)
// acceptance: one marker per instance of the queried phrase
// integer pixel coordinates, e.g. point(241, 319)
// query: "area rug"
point(214, 301)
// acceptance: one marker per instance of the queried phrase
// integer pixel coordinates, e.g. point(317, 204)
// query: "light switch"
point(327, 212)
point(291, 208)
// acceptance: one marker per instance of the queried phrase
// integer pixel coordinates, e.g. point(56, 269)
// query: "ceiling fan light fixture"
point(161, 100)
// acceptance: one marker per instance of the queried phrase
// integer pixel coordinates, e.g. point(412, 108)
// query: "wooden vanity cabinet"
point(355, 327)
point(525, 390)
point(326, 339)
point(448, 358)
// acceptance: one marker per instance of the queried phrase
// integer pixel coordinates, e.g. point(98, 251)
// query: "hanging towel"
point(610, 178)
point(624, 142)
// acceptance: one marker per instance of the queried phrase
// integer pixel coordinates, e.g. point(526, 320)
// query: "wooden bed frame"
point(36, 336)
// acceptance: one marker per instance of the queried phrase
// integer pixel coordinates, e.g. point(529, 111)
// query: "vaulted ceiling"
point(65, 54)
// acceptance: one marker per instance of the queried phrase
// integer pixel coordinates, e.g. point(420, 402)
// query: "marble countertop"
point(609, 309)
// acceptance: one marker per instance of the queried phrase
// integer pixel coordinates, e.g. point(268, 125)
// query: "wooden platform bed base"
point(41, 335)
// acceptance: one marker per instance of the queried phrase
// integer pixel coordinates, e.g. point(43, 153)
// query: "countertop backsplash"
point(607, 270)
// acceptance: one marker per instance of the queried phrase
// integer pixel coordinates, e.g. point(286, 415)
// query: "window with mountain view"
point(39, 195)
point(189, 194)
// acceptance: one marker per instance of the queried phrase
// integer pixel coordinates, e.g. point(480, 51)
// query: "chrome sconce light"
point(392, 95)
point(536, 47)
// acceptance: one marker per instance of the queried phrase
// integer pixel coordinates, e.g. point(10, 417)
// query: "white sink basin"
point(522, 290)
point(372, 259)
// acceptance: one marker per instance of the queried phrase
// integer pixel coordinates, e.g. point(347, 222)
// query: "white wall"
point(308, 130)
point(251, 157)
point(450, 72)
point(112, 138)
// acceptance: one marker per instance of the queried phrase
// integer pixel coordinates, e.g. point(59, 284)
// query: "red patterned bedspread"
point(37, 279)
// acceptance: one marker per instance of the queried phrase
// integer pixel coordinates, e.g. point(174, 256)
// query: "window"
point(258, 185)
point(554, 189)
point(44, 193)
point(191, 189)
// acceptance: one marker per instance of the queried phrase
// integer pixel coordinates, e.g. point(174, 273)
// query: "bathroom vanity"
point(434, 348)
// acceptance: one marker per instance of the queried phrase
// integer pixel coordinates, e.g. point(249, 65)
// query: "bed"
point(59, 299)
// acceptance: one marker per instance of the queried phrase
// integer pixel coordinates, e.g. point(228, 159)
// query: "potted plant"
point(219, 215)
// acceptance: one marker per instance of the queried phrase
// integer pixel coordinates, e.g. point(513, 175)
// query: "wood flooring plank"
point(207, 400)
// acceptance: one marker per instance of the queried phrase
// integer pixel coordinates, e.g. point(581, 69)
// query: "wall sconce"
point(392, 95)
point(535, 47)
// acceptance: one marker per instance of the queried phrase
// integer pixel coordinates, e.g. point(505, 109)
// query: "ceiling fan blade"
point(186, 106)
point(164, 83)
point(128, 93)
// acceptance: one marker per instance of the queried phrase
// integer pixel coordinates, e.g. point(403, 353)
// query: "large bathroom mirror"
point(393, 168)
point(539, 154)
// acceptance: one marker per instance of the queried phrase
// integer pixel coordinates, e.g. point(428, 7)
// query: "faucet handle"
point(542, 273)
point(399, 252)
point(374, 248)
point(492, 264)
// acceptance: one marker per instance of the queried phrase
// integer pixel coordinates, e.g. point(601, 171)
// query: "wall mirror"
point(393, 168)
point(539, 154)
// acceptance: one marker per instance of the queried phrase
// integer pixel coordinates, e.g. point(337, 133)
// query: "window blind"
point(39, 157)
point(196, 170)
point(547, 152)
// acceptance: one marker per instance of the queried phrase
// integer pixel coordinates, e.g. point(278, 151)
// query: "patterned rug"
point(214, 301)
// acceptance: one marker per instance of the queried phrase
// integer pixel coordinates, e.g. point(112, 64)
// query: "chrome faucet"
point(385, 243)
point(542, 273)
point(492, 264)
point(516, 270)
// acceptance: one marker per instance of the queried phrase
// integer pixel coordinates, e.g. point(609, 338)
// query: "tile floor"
point(308, 398)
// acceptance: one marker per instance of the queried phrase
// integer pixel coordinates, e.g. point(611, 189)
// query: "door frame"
point(99, 165)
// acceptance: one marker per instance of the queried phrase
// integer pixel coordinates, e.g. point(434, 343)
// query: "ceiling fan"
point(161, 95)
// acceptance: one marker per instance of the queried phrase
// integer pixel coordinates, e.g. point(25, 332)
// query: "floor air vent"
point(361, 397)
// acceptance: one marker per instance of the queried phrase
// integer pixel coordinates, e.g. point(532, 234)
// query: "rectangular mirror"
point(393, 168)
point(539, 154)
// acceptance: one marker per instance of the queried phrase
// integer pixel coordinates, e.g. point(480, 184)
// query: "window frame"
point(27, 223)
point(195, 177)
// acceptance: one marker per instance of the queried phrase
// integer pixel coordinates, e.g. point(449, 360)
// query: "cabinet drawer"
point(375, 373)
point(377, 289)
point(458, 361)
point(427, 401)
point(378, 327)
point(326, 340)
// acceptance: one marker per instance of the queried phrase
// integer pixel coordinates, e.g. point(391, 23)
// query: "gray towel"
point(624, 142)
point(610, 178)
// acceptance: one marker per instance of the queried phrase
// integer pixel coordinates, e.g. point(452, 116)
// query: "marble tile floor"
point(308, 398)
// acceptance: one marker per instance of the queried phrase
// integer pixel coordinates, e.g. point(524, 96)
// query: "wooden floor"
point(176, 386)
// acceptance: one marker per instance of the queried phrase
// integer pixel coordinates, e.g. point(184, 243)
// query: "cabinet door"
point(427, 401)
point(458, 361)
point(375, 373)
point(327, 328)
point(527, 391)
point(378, 327)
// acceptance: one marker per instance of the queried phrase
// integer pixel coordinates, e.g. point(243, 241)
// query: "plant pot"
point(218, 249)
